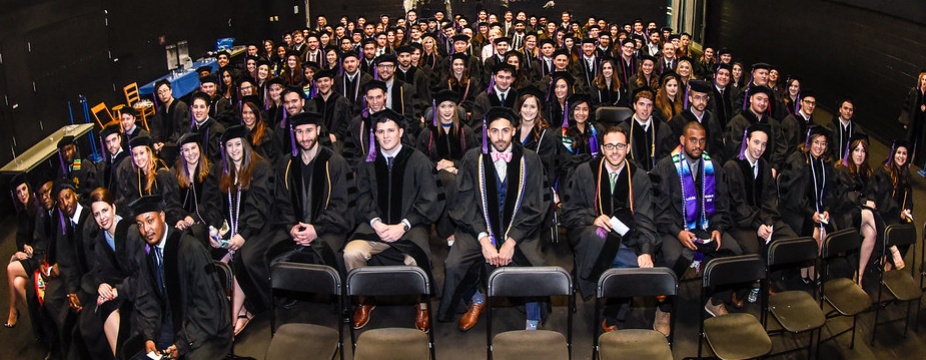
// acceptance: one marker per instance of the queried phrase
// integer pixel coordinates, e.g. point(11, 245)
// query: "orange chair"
point(102, 114)
point(131, 98)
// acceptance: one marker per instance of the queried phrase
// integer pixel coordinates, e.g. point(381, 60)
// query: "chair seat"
point(529, 344)
point(312, 340)
point(796, 311)
point(902, 285)
point(737, 336)
point(634, 344)
point(392, 344)
point(846, 296)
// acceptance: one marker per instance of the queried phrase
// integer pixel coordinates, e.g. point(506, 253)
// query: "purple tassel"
point(797, 104)
point(565, 116)
point(807, 138)
point(602, 233)
point(491, 85)
point(266, 99)
point(375, 72)
point(845, 156)
point(239, 106)
point(746, 99)
point(64, 230)
point(292, 140)
point(64, 168)
point(890, 156)
point(593, 142)
point(485, 137)
point(283, 123)
point(224, 163)
point(192, 121)
point(434, 108)
point(371, 156)
point(685, 103)
point(340, 67)
point(742, 154)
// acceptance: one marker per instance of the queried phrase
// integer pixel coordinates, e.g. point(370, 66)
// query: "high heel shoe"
point(10, 326)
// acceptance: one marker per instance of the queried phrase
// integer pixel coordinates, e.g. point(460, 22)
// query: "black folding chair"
point(391, 343)
point(612, 115)
point(841, 293)
point(634, 343)
point(734, 335)
point(320, 342)
point(227, 281)
point(539, 281)
point(900, 285)
point(795, 311)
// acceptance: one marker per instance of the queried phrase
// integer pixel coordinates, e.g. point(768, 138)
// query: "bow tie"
point(501, 156)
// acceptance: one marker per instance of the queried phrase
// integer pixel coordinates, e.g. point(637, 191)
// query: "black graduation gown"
point(581, 207)
point(132, 187)
point(270, 147)
point(409, 191)
point(169, 122)
point(192, 298)
point(329, 187)
point(336, 111)
point(776, 150)
point(795, 128)
point(84, 174)
point(118, 268)
point(915, 120)
point(549, 148)
point(721, 105)
point(553, 112)
point(111, 168)
point(669, 213)
point(712, 127)
point(202, 201)
point(438, 145)
point(507, 221)
point(852, 192)
point(642, 148)
point(841, 136)
point(467, 94)
point(210, 138)
point(418, 79)
point(609, 96)
point(357, 144)
point(260, 226)
point(25, 229)
point(139, 131)
point(223, 111)
point(753, 202)
point(352, 91)
point(890, 200)
point(796, 184)
point(485, 101)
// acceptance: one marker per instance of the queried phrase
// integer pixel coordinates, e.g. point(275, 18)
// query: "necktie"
point(755, 170)
point(613, 181)
point(503, 98)
point(159, 268)
point(389, 162)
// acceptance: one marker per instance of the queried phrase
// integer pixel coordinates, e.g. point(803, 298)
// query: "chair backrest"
point(733, 270)
point(621, 282)
point(102, 114)
point(530, 281)
point(388, 280)
point(790, 251)
point(306, 278)
point(900, 234)
point(612, 115)
point(841, 241)
point(131, 93)
point(226, 277)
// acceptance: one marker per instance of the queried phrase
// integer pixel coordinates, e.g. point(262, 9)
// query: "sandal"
point(10, 325)
point(247, 320)
point(897, 257)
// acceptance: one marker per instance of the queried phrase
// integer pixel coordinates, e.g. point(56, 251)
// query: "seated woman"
point(806, 185)
point(247, 188)
point(561, 88)
point(199, 188)
point(580, 135)
point(444, 143)
point(668, 97)
point(892, 191)
point(148, 175)
point(260, 134)
point(461, 82)
point(854, 205)
point(607, 89)
point(115, 268)
point(22, 264)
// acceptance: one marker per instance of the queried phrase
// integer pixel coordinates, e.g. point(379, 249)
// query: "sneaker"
point(663, 322)
point(531, 324)
point(715, 310)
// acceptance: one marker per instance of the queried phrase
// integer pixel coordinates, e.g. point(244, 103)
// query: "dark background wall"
point(840, 48)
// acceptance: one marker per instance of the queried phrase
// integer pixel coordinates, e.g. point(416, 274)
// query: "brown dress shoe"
point(607, 328)
point(471, 316)
point(421, 319)
point(362, 316)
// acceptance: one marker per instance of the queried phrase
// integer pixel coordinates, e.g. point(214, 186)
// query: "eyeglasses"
point(615, 146)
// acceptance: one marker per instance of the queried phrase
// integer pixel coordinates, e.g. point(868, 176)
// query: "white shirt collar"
point(500, 92)
point(612, 170)
point(803, 115)
point(393, 153)
point(843, 122)
point(77, 211)
point(163, 242)
point(646, 124)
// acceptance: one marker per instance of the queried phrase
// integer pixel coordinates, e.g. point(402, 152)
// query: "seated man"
point(599, 189)
point(182, 310)
point(81, 172)
point(501, 202)
point(315, 203)
point(692, 210)
point(398, 198)
point(130, 128)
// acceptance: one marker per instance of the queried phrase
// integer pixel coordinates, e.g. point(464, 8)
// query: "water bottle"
point(753, 295)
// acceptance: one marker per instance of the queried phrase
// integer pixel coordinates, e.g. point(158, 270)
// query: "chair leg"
point(906, 322)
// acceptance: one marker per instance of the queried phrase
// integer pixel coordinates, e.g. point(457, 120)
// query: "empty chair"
point(612, 115)
point(795, 311)
point(734, 335)
point(841, 293)
point(900, 285)
point(391, 343)
point(310, 341)
point(634, 343)
point(539, 281)
point(102, 114)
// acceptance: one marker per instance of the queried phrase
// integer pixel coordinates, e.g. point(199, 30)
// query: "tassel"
point(565, 116)
point(292, 140)
point(485, 137)
point(192, 121)
point(807, 138)
point(797, 104)
point(746, 99)
point(64, 168)
point(239, 108)
point(593, 142)
point(375, 72)
point(64, 230)
point(742, 154)
point(434, 111)
point(685, 103)
point(845, 156)
point(890, 155)
point(491, 85)
point(224, 163)
point(283, 123)
point(371, 156)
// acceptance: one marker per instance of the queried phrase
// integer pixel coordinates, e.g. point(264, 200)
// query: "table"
point(44, 149)
point(182, 84)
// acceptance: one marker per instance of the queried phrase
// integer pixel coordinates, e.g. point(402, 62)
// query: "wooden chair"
point(131, 98)
point(102, 114)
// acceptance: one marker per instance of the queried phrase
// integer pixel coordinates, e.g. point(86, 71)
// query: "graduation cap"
point(589, 40)
point(189, 137)
point(674, 37)
point(208, 79)
point(446, 95)
point(532, 90)
point(807, 93)
point(109, 130)
point(460, 37)
point(62, 184)
point(293, 53)
point(643, 89)
point(495, 113)
point(547, 41)
point(246, 80)
point(562, 52)
point(223, 52)
point(202, 96)
point(855, 137)
point(724, 66)
point(204, 68)
point(416, 46)
point(761, 65)
point(638, 37)
point(388, 114)
point(700, 86)
point(669, 74)
point(502, 39)
point(374, 84)
point(564, 75)
point(646, 57)
point(630, 41)
point(306, 118)
point(757, 89)
point(349, 54)
point(461, 56)
point(146, 204)
point(578, 98)
point(368, 41)
point(262, 62)
point(325, 73)
point(276, 80)
point(19, 179)
point(817, 130)
point(724, 51)
point(503, 67)
point(429, 35)
point(254, 99)
point(385, 58)
point(129, 110)
point(162, 82)
point(65, 141)
point(404, 49)
point(759, 126)
point(311, 65)
point(515, 53)
point(140, 141)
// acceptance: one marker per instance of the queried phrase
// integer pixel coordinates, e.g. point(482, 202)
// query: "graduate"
point(444, 142)
point(115, 155)
point(754, 217)
point(534, 133)
point(398, 198)
point(315, 201)
point(181, 309)
point(795, 125)
point(499, 93)
point(650, 140)
point(145, 175)
point(699, 96)
point(209, 130)
point(350, 83)
point(499, 208)
point(82, 172)
point(855, 205)
point(776, 152)
point(198, 185)
point(892, 191)
point(335, 110)
point(24, 261)
point(606, 186)
point(260, 134)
